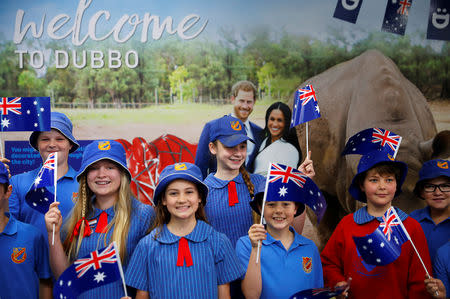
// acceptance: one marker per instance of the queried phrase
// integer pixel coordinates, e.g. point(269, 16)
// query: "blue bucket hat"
point(256, 201)
point(367, 162)
point(185, 171)
point(4, 174)
point(228, 130)
point(430, 170)
point(60, 122)
point(103, 149)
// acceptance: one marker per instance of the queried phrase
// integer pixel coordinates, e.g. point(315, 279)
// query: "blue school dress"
point(213, 262)
point(142, 216)
point(235, 220)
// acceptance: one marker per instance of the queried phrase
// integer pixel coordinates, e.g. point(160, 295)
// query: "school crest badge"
point(307, 264)
point(104, 145)
point(235, 125)
point(180, 166)
point(19, 255)
point(443, 165)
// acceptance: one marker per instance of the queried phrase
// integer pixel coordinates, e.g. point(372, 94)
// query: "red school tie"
point(232, 194)
point(184, 254)
point(76, 229)
point(102, 222)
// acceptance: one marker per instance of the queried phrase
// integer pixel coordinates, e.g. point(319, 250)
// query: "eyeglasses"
point(431, 188)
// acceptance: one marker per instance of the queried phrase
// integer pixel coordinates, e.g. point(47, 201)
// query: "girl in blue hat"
point(183, 256)
point(105, 211)
point(378, 180)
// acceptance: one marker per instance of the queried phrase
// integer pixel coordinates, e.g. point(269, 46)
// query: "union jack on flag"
point(13, 105)
point(50, 162)
point(386, 137)
point(286, 174)
point(389, 221)
point(94, 270)
point(107, 255)
point(306, 94)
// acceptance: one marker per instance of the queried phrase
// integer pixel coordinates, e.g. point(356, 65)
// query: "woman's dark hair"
point(289, 134)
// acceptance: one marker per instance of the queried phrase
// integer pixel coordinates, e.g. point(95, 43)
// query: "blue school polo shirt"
point(153, 265)
point(285, 272)
point(236, 220)
point(441, 266)
point(142, 216)
point(18, 207)
point(437, 235)
point(23, 260)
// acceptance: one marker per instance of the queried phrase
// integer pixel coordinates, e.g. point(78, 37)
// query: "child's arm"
point(223, 291)
point(332, 258)
point(58, 259)
point(45, 288)
point(142, 294)
point(252, 283)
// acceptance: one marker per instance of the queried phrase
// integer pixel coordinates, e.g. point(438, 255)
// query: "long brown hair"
point(84, 207)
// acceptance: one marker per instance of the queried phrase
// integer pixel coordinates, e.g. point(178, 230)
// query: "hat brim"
point(98, 157)
point(34, 137)
point(233, 140)
point(256, 204)
point(162, 185)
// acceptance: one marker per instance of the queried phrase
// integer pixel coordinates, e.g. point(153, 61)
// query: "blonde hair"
point(83, 207)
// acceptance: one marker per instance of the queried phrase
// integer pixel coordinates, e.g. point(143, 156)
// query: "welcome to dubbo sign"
point(64, 26)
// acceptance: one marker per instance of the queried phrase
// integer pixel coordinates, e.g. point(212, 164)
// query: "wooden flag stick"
point(262, 209)
point(55, 179)
point(307, 146)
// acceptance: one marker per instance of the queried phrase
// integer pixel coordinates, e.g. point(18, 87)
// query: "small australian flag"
point(25, 114)
point(396, 16)
point(38, 196)
point(372, 139)
point(306, 107)
point(384, 245)
point(96, 269)
point(286, 183)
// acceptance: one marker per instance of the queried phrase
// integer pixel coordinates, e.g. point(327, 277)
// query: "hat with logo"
point(101, 150)
point(430, 170)
point(369, 161)
point(184, 171)
point(60, 122)
point(229, 131)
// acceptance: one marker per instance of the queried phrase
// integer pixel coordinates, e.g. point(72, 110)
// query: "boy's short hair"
point(381, 169)
point(245, 86)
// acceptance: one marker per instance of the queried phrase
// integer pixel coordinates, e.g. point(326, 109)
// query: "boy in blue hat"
point(288, 262)
point(433, 186)
point(183, 256)
point(377, 182)
point(24, 269)
point(58, 139)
